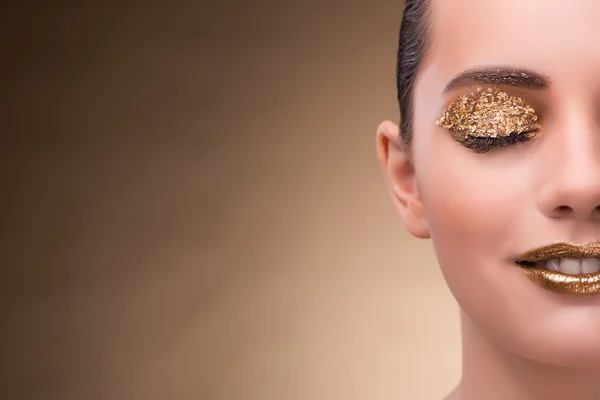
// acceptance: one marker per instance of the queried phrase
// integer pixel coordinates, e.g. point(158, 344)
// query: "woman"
point(497, 160)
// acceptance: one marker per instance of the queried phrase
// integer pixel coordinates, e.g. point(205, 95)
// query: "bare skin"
point(520, 341)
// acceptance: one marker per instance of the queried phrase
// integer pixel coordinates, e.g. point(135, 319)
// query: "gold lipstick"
point(564, 267)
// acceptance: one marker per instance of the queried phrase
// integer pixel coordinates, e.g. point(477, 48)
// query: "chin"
point(566, 355)
point(567, 339)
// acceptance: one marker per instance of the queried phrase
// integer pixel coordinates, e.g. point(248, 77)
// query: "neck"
point(493, 373)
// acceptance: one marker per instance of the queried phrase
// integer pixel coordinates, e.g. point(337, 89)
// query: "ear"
point(399, 172)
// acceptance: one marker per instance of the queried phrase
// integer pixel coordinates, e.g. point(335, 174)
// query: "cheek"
point(472, 202)
point(474, 205)
point(481, 211)
point(470, 221)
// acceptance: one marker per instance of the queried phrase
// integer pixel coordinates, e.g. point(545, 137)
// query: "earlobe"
point(399, 172)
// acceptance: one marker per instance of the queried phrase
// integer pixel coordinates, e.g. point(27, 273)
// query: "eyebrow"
point(501, 76)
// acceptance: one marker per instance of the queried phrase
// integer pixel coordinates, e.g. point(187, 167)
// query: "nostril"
point(564, 209)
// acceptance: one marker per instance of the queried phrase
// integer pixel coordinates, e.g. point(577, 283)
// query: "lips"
point(564, 267)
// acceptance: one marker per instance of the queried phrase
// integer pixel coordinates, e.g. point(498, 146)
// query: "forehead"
point(549, 36)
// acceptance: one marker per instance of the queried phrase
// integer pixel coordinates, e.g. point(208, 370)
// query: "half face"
point(506, 152)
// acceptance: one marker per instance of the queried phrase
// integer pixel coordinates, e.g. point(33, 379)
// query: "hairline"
point(417, 25)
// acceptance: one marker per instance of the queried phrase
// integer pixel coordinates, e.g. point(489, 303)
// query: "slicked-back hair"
point(413, 44)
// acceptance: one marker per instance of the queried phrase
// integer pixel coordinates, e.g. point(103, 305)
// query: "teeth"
point(590, 265)
point(570, 266)
point(574, 266)
point(553, 264)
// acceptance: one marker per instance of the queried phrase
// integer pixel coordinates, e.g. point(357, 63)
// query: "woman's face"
point(483, 210)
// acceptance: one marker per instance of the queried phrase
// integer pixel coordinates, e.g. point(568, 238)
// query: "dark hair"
point(413, 44)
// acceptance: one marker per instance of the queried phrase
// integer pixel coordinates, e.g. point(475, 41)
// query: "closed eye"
point(488, 119)
point(486, 144)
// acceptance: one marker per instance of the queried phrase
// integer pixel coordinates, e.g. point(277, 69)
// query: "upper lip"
point(561, 250)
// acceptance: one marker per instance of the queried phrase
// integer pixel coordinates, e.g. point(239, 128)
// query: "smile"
point(564, 267)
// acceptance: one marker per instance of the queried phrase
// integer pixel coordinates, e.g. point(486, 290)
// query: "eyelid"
point(484, 144)
point(489, 113)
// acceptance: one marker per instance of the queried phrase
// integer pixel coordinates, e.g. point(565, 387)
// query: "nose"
point(571, 187)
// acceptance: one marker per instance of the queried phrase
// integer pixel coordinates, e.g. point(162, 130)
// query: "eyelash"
point(486, 144)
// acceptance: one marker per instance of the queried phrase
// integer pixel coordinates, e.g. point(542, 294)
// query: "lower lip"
point(555, 281)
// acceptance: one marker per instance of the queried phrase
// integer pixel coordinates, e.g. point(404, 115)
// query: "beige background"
point(193, 208)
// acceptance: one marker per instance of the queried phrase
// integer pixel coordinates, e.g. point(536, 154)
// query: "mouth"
point(564, 267)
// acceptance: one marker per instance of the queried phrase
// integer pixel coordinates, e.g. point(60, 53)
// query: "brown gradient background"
point(192, 207)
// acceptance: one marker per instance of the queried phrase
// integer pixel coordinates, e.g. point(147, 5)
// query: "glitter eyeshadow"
point(490, 113)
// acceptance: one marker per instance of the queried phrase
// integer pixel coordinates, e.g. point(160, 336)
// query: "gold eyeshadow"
point(488, 113)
